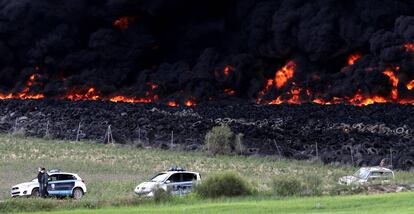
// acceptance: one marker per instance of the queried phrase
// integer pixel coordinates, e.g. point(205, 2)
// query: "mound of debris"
point(335, 134)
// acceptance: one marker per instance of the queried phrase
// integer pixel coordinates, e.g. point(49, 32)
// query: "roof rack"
point(179, 169)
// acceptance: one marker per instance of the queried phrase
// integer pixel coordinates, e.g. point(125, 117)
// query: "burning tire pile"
point(335, 134)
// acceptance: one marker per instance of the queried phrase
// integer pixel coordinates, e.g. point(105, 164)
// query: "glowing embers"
point(353, 58)
point(25, 93)
point(230, 92)
point(123, 23)
point(410, 85)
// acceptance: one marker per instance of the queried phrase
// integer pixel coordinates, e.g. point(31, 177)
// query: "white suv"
point(61, 184)
point(177, 181)
point(368, 174)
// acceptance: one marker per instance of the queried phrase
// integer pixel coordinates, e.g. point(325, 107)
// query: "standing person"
point(45, 179)
point(39, 179)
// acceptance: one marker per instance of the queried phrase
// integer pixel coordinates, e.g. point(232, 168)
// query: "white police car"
point(61, 184)
point(177, 181)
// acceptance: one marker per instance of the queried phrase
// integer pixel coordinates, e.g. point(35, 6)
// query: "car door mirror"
point(167, 181)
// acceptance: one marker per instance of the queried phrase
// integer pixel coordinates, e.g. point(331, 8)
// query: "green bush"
point(219, 140)
point(284, 186)
point(223, 184)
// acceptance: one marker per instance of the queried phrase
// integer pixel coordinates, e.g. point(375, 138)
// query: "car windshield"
point(159, 177)
point(362, 173)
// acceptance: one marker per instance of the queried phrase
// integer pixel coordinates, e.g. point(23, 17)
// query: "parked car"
point(368, 174)
point(61, 184)
point(177, 181)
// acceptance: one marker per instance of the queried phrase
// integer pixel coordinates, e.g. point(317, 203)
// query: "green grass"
point(374, 204)
point(112, 171)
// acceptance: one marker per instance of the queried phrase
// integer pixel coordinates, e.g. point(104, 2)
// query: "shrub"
point(284, 186)
point(223, 184)
point(219, 140)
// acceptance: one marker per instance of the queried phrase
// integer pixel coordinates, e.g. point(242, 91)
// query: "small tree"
point(219, 140)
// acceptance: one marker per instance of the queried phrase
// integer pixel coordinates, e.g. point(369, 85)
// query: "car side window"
point(189, 177)
point(174, 178)
point(381, 174)
point(65, 177)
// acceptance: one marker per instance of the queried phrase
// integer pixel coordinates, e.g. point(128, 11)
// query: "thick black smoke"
point(183, 46)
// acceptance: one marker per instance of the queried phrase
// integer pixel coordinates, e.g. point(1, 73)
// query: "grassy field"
point(373, 204)
point(112, 171)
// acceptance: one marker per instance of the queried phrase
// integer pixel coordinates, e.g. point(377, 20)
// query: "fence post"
point(277, 148)
point(139, 134)
point(109, 135)
point(78, 131)
point(47, 129)
point(352, 155)
point(172, 139)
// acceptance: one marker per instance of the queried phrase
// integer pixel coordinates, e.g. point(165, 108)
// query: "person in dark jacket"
point(39, 179)
point(44, 178)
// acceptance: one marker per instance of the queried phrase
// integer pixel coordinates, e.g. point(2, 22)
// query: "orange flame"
point(360, 100)
point(189, 103)
point(124, 99)
point(90, 94)
point(285, 74)
point(410, 85)
point(281, 78)
point(24, 94)
point(353, 58)
point(172, 104)
point(394, 80)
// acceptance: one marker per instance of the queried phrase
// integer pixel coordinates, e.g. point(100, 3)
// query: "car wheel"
point(35, 192)
point(77, 193)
